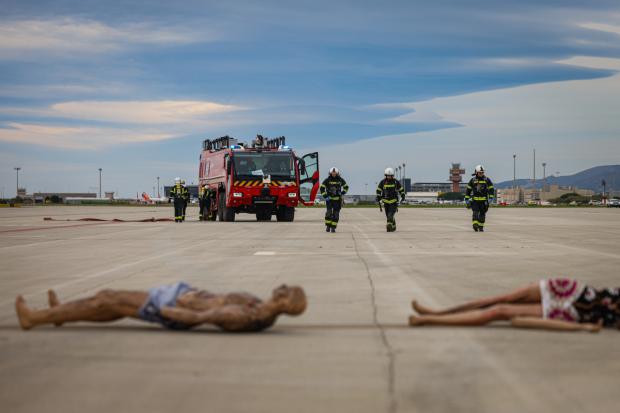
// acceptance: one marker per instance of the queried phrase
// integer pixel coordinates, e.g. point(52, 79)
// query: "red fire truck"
point(265, 178)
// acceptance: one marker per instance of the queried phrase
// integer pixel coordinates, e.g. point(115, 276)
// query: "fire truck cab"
point(265, 178)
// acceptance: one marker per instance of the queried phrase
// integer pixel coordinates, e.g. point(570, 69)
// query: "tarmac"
point(350, 352)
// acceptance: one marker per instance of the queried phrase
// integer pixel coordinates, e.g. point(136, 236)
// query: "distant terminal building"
point(193, 190)
point(47, 196)
point(436, 187)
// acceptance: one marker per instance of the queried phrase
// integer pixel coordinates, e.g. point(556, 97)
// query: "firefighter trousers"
point(178, 209)
point(390, 211)
point(204, 206)
point(332, 213)
point(479, 213)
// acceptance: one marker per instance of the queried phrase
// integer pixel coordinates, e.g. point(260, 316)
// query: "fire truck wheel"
point(285, 214)
point(225, 214)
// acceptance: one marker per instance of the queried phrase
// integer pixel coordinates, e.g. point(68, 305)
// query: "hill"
point(588, 179)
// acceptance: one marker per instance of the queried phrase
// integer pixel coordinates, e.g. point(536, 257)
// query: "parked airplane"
point(148, 200)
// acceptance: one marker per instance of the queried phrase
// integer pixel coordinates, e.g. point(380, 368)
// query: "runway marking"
point(265, 253)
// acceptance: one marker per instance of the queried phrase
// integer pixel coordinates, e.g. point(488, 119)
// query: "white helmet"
point(334, 169)
point(177, 180)
point(389, 172)
point(479, 168)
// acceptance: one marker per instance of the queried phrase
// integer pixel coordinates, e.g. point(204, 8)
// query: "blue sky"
point(133, 87)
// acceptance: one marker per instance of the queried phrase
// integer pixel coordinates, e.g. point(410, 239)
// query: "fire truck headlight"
point(292, 194)
point(237, 195)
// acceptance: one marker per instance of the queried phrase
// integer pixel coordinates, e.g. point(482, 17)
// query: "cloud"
point(573, 125)
point(609, 28)
point(73, 37)
point(80, 137)
point(145, 112)
point(135, 112)
point(123, 122)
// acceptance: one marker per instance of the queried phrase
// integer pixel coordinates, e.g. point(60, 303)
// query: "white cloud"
point(78, 137)
point(146, 112)
point(609, 28)
point(69, 36)
point(135, 112)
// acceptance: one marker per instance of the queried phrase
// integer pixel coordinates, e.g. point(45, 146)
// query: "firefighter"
point(479, 193)
point(204, 203)
point(333, 189)
point(388, 192)
point(178, 194)
point(186, 198)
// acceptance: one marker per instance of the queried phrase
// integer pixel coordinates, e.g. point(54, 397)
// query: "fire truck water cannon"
point(265, 178)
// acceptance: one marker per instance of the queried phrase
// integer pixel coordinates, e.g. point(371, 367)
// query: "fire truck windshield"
point(259, 164)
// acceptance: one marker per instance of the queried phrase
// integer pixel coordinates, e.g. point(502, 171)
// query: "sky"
point(133, 87)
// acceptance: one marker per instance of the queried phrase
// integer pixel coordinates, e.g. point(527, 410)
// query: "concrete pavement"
point(350, 352)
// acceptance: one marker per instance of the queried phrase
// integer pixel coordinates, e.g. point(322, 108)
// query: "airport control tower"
point(455, 176)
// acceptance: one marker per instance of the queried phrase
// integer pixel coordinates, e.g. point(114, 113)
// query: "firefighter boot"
point(476, 228)
point(327, 229)
point(333, 229)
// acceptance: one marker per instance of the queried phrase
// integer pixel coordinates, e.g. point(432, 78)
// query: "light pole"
point(158, 187)
point(514, 171)
point(544, 165)
point(17, 169)
point(534, 176)
point(366, 191)
point(404, 176)
point(100, 182)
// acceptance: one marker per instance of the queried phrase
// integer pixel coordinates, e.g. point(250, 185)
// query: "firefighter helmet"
point(335, 170)
point(389, 172)
point(479, 168)
point(177, 180)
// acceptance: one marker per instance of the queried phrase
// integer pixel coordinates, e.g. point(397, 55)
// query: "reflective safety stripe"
point(480, 198)
point(467, 197)
point(389, 185)
point(389, 201)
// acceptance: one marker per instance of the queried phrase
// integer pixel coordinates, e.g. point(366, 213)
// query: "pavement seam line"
point(389, 350)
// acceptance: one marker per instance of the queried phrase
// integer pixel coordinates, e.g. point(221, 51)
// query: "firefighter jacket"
point(389, 190)
point(334, 187)
point(179, 192)
point(204, 193)
point(480, 189)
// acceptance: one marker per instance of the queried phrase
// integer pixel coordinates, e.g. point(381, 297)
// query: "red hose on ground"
point(112, 220)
